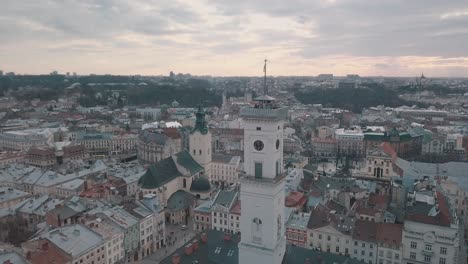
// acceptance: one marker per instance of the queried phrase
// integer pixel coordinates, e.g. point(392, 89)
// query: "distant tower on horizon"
point(421, 82)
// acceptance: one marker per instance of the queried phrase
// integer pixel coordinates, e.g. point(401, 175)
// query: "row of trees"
point(355, 100)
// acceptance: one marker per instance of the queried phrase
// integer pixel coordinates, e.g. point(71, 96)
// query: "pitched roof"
point(216, 250)
point(225, 198)
point(389, 234)
point(442, 218)
point(179, 164)
point(185, 161)
point(319, 217)
point(365, 231)
point(74, 239)
point(159, 174)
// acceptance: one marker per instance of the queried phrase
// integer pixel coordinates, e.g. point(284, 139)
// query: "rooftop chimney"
point(204, 238)
point(195, 245)
point(45, 246)
point(188, 250)
point(175, 259)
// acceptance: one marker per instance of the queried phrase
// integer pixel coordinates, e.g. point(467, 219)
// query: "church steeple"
point(200, 123)
point(200, 142)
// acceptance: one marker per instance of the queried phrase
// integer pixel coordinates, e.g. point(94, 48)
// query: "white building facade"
point(262, 186)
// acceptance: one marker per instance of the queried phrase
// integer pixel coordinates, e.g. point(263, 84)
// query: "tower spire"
point(265, 89)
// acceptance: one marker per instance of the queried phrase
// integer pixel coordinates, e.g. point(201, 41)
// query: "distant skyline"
point(231, 38)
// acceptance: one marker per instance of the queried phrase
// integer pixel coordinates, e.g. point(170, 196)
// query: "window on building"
point(337, 249)
point(443, 251)
point(442, 261)
point(381, 253)
point(413, 244)
point(427, 259)
point(259, 128)
point(428, 247)
point(320, 236)
point(258, 170)
point(328, 238)
point(412, 255)
point(277, 168)
point(397, 256)
point(363, 252)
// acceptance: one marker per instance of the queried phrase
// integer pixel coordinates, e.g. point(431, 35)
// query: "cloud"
point(223, 37)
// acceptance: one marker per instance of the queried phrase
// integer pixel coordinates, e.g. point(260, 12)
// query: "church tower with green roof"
point(200, 142)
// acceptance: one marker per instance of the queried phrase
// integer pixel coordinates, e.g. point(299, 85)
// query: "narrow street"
point(176, 238)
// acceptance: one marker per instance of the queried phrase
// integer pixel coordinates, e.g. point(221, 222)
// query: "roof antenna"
point(265, 89)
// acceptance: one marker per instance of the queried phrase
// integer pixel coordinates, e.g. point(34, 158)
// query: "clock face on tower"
point(258, 145)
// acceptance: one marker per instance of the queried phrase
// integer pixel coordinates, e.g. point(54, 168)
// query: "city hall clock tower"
point(262, 183)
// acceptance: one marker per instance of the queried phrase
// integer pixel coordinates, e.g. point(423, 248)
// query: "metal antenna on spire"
point(265, 89)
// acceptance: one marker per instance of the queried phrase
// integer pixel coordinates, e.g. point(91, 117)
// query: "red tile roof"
point(236, 209)
point(172, 132)
point(295, 199)
point(441, 219)
point(389, 234)
point(365, 231)
point(387, 148)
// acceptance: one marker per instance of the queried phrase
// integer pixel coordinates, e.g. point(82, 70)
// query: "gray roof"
point(221, 158)
point(52, 178)
point(13, 257)
point(217, 250)
point(75, 240)
point(156, 136)
point(8, 194)
point(454, 170)
point(225, 198)
point(121, 217)
point(38, 205)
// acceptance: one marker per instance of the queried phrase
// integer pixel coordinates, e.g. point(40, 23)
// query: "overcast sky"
point(232, 37)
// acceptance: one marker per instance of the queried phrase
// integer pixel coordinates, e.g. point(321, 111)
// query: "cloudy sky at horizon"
point(231, 38)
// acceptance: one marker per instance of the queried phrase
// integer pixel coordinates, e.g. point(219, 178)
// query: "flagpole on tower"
point(265, 89)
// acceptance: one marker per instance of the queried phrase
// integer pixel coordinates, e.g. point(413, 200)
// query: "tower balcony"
point(264, 113)
point(263, 180)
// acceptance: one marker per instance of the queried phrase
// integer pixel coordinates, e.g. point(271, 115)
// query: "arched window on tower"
point(256, 230)
point(194, 152)
point(199, 152)
point(185, 183)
